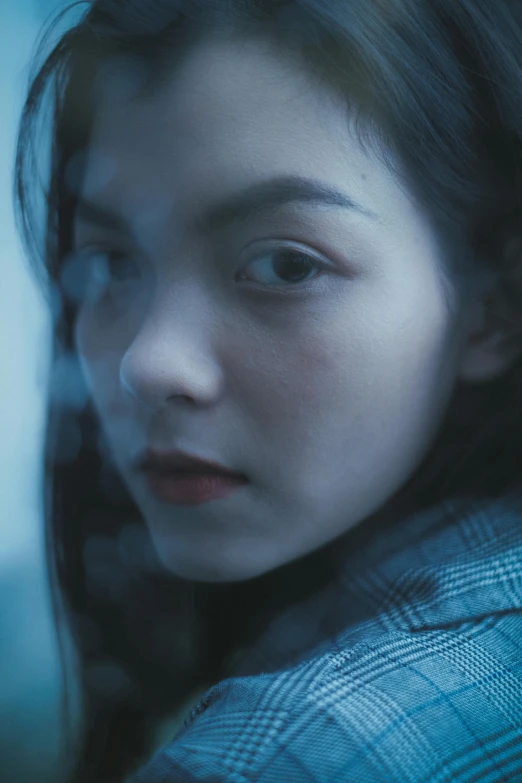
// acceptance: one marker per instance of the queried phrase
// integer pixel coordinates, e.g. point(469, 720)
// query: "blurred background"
point(29, 669)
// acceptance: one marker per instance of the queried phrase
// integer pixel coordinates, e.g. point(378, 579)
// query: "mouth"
point(179, 478)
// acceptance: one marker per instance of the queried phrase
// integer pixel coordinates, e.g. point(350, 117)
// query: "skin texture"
point(326, 393)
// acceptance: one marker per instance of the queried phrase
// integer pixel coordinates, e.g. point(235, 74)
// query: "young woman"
point(283, 251)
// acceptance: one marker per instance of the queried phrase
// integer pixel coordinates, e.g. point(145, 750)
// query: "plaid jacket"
point(407, 668)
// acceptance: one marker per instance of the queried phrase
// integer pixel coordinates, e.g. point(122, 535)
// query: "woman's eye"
point(101, 272)
point(282, 266)
point(114, 267)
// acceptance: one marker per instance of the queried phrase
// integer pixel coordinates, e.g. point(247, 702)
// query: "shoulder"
point(439, 705)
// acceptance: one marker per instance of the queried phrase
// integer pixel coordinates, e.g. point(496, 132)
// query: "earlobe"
point(491, 348)
point(486, 359)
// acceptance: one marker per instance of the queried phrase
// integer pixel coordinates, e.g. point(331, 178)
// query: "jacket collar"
point(455, 562)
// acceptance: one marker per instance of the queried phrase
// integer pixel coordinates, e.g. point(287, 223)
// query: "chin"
point(215, 556)
point(215, 570)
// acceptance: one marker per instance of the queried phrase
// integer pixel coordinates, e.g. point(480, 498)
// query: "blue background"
point(29, 670)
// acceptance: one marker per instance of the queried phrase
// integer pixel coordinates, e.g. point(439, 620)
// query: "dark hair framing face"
point(438, 83)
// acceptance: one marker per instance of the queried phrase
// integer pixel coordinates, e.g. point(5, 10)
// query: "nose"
point(171, 358)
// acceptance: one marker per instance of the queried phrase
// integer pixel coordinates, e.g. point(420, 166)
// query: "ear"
point(494, 334)
point(488, 354)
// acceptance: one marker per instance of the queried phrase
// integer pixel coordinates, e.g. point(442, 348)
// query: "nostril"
point(153, 375)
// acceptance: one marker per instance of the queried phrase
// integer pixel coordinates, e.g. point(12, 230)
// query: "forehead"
point(233, 113)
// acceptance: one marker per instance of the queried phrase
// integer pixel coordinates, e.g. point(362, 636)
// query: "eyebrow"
point(90, 212)
point(274, 193)
point(247, 203)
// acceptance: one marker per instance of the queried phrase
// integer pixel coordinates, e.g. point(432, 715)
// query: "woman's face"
point(275, 304)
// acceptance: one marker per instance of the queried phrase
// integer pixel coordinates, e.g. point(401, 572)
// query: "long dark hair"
point(440, 81)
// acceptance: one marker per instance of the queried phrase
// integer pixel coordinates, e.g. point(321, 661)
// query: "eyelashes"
point(91, 271)
point(96, 272)
point(282, 266)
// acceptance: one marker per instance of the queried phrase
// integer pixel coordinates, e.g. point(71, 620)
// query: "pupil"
point(291, 265)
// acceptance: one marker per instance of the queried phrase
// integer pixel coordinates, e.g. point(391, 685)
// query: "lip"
point(180, 461)
point(191, 488)
point(180, 478)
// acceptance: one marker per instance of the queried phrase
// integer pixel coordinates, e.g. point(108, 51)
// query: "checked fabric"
point(405, 668)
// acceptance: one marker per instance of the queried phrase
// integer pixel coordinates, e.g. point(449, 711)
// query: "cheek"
point(371, 369)
point(100, 350)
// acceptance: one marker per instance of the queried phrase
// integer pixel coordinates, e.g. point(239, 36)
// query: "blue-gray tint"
point(29, 672)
